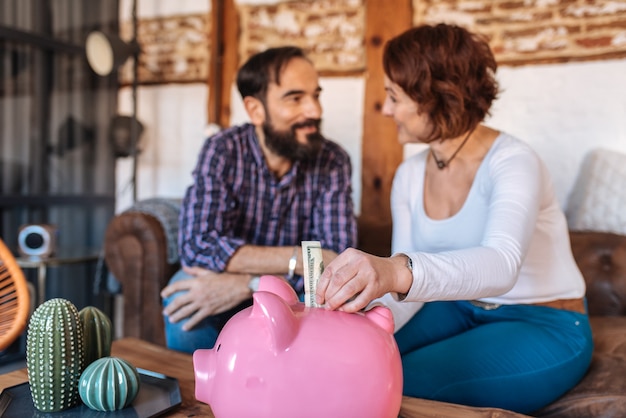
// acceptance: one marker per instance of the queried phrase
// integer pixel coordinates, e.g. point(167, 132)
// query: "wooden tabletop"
point(180, 366)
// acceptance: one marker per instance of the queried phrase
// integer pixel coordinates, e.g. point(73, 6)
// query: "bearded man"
point(259, 190)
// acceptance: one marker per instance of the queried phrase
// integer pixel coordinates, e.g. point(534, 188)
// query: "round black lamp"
point(106, 53)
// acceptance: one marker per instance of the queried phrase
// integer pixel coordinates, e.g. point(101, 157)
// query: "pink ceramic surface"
point(279, 359)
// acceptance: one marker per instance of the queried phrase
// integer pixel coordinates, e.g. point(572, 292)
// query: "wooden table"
point(180, 366)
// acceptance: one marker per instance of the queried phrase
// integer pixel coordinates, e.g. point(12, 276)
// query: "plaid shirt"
point(235, 200)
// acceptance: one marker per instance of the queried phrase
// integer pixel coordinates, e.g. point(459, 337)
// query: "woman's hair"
point(448, 71)
point(263, 68)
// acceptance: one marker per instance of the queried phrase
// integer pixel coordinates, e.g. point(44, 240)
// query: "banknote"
point(313, 268)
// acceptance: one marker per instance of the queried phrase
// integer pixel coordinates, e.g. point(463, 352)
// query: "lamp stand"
point(133, 126)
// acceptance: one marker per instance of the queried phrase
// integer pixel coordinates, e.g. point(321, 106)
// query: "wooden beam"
point(224, 59)
point(215, 61)
point(230, 58)
point(381, 153)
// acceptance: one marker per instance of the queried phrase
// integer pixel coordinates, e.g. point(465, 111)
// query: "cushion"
point(598, 199)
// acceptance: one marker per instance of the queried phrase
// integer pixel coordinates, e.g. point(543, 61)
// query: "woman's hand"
point(354, 279)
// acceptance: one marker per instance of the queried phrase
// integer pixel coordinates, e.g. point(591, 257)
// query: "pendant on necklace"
point(443, 164)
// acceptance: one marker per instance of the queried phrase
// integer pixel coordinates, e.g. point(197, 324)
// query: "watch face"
point(254, 283)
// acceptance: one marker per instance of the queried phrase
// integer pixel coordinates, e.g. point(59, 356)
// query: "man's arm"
point(209, 211)
point(255, 259)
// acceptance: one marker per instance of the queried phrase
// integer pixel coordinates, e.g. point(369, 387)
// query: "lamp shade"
point(106, 53)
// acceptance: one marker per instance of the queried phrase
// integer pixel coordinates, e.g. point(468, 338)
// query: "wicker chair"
point(14, 299)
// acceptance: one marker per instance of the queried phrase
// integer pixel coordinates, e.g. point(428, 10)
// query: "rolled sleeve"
point(205, 237)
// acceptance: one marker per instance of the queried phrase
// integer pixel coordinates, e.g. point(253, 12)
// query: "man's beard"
point(285, 143)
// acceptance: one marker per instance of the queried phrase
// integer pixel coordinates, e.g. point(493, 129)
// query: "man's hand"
point(207, 293)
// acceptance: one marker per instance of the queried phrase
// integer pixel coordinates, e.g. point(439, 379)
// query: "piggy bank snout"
point(204, 371)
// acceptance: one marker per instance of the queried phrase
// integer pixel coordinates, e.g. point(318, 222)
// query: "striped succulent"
point(109, 384)
point(96, 333)
point(55, 355)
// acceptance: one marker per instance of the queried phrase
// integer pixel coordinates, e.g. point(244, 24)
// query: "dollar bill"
point(313, 268)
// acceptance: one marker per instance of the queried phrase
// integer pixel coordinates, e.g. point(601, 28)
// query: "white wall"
point(174, 119)
point(156, 8)
point(564, 111)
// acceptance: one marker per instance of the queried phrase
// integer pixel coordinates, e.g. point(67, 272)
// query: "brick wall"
point(519, 31)
point(330, 31)
point(173, 49)
point(537, 31)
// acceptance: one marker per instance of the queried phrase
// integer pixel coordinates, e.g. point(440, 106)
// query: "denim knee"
point(202, 335)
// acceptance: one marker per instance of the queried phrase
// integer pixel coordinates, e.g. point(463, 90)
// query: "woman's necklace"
point(443, 164)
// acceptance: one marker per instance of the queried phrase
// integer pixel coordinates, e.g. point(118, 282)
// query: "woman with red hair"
point(478, 237)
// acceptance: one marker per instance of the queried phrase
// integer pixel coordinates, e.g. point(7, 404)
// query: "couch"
point(138, 252)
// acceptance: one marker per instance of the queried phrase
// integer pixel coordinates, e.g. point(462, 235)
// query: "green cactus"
point(109, 384)
point(96, 334)
point(55, 355)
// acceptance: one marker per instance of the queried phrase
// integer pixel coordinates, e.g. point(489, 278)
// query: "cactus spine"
point(96, 334)
point(55, 355)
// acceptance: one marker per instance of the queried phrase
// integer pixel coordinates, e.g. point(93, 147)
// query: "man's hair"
point(448, 71)
point(263, 68)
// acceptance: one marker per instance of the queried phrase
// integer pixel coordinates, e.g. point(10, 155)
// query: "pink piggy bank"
point(280, 359)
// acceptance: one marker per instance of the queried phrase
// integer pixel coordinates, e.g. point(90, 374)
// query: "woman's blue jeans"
point(516, 357)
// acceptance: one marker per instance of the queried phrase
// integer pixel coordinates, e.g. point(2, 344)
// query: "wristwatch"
point(409, 263)
point(409, 266)
point(253, 284)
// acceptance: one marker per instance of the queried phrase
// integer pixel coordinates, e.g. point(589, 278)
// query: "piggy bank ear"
point(381, 316)
point(277, 317)
point(279, 287)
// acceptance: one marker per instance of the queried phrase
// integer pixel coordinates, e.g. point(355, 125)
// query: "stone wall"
point(536, 31)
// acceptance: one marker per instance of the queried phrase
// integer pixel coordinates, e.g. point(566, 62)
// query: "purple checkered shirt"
point(235, 200)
